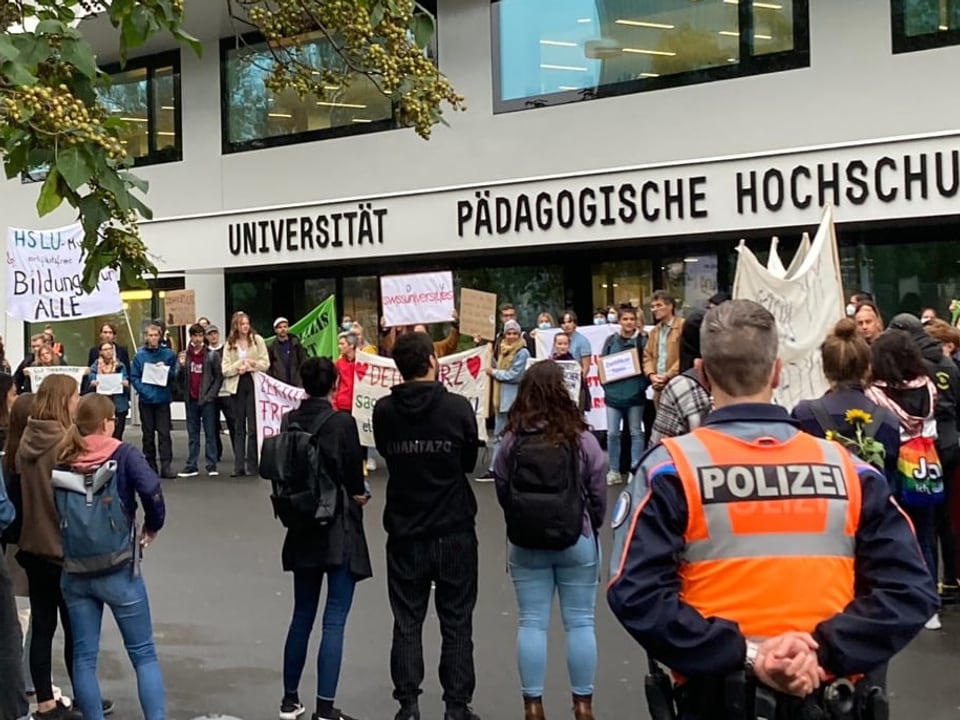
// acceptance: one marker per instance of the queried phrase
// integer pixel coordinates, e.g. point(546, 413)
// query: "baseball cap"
point(280, 320)
point(212, 329)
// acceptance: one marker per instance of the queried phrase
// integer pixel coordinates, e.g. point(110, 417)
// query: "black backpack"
point(826, 422)
point(304, 495)
point(545, 498)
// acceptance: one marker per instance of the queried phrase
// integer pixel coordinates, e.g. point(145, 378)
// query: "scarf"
point(98, 449)
point(104, 369)
point(508, 352)
point(911, 423)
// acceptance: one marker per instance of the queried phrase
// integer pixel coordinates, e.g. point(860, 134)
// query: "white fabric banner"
point(45, 273)
point(462, 374)
point(39, 373)
point(273, 398)
point(420, 298)
point(597, 335)
point(807, 303)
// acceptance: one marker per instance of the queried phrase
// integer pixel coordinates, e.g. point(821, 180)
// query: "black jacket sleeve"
point(471, 439)
point(351, 454)
point(895, 593)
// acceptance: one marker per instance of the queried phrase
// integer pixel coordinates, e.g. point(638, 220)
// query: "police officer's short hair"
point(738, 344)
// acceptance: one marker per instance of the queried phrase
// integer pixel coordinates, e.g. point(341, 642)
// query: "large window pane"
point(921, 24)
point(126, 98)
point(551, 51)
point(619, 283)
point(361, 298)
point(532, 290)
point(692, 280)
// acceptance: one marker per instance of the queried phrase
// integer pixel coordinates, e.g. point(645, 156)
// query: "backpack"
point(826, 423)
point(11, 534)
point(98, 535)
point(304, 495)
point(545, 499)
point(919, 473)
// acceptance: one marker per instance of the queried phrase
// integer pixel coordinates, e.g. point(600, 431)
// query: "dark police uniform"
point(708, 552)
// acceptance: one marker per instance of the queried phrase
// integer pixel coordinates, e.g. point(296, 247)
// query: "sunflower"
point(858, 416)
point(831, 435)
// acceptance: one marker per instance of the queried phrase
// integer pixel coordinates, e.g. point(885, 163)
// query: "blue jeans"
point(923, 526)
point(537, 575)
point(306, 600)
point(206, 416)
point(127, 598)
point(634, 419)
point(499, 427)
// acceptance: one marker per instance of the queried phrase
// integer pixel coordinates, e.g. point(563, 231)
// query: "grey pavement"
point(221, 605)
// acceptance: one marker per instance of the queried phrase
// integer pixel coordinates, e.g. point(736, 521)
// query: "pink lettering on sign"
point(451, 373)
point(380, 376)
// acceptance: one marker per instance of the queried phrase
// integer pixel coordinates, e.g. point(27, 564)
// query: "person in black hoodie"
point(428, 437)
point(336, 551)
point(946, 377)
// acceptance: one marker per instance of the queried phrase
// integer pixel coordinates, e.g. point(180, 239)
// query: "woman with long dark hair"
point(543, 411)
point(8, 393)
point(244, 354)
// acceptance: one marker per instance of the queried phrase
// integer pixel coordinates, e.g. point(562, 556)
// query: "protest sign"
point(571, 375)
point(619, 366)
point(317, 330)
point(180, 307)
point(462, 374)
point(596, 335)
point(806, 303)
point(39, 373)
point(420, 298)
point(478, 314)
point(273, 399)
point(45, 277)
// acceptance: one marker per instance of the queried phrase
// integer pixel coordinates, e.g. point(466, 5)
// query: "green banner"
point(317, 330)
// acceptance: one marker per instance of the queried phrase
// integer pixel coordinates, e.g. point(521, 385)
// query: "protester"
point(89, 443)
point(624, 398)
point(245, 353)
point(545, 434)
point(286, 354)
point(869, 322)
point(511, 364)
point(153, 388)
point(579, 345)
point(109, 364)
point(336, 552)
point(561, 349)
point(8, 394)
point(13, 699)
point(19, 376)
point(20, 413)
point(545, 321)
point(927, 315)
point(108, 334)
point(224, 404)
point(52, 342)
point(661, 357)
point(4, 363)
point(201, 376)
point(428, 437)
point(362, 344)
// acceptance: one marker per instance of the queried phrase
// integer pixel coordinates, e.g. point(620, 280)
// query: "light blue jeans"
point(634, 419)
point(573, 574)
point(127, 598)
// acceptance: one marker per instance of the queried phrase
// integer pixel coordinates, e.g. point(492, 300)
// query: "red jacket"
point(346, 370)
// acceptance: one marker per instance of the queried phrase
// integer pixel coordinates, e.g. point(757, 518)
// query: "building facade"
point(609, 147)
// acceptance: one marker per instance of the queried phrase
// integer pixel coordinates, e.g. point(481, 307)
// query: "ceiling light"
point(584, 21)
point(649, 75)
point(645, 24)
point(943, 27)
point(135, 119)
point(165, 133)
point(558, 43)
point(691, 259)
point(280, 115)
point(362, 120)
point(324, 103)
point(604, 285)
point(567, 87)
point(640, 51)
point(167, 107)
point(732, 60)
point(756, 36)
point(762, 5)
point(573, 68)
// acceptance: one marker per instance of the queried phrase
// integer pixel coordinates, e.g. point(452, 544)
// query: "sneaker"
point(188, 472)
point(408, 712)
point(213, 472)
point(949, 594)
point(107, 705)
point(291, 710)
point(371, 465)
point(59, 712)
point(614, 478)
point(337, 715)
point(934, 622)
point(167, 473)
point(460, 712)
point(485, 478)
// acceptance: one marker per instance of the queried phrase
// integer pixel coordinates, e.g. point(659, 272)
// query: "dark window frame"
point(749, 65)
point(903, 43)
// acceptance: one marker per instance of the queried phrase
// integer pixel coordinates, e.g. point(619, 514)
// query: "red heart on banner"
point(473, 365)
point(361, 369)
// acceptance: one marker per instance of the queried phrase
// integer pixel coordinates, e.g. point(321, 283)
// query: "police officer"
point(758, 563)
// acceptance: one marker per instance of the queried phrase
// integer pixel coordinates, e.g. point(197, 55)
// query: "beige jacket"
point(232, 362)
point(652, 351)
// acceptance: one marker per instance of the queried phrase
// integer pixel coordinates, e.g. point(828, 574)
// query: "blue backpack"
point(98, 536)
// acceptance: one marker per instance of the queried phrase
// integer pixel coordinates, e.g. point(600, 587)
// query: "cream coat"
point(232, 362)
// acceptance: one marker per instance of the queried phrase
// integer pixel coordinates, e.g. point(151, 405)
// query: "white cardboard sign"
point(39, 373)
point(420, 298)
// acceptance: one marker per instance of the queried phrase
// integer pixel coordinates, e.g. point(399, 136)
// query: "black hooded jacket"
point(428, 437)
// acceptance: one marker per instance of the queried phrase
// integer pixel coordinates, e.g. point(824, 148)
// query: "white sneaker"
point(934, 622)
point(614, 478)
point(371, 465)
point(291, 710)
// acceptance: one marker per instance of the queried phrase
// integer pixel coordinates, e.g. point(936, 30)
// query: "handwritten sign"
point(478, 314)
point(273, 399)
point(420, 298)
point(38, 373)
point(571, 375)
point(462, 373)
point(110, 384)
point(180, 307)
point(45, 274)
point(619, 366)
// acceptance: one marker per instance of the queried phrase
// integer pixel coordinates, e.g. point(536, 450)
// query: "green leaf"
point(80, 54)
point(183, 36)
point(93, 213)
point(33, 49)
point(422, 27)
point(17, 74)
point(50, 27)
point(74, 167)
point(376, 16)
point(15, 161)
point(111, 182)
point(50, 197)
point(8, 51)
point(137, 182)
point(145, 212)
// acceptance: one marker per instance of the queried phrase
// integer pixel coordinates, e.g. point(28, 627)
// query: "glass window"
point(922, 24)
point(531, 289)
point(557, 51)
point(254, 296)
point(361, 301)
point(692, 280)
point(619, 283)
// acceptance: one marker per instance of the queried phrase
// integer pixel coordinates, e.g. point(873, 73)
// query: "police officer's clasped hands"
point(789, 663)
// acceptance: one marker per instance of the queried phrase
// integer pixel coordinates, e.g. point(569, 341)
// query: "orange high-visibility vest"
point(771, 529)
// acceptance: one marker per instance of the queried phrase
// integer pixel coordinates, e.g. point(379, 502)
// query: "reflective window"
point(922, 24)
point(691, 279)
point(627, 282)
point(556, 51)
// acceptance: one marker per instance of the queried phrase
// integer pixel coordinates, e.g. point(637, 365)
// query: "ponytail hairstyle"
point(92, 411)
point(53, 399)
point(19, 414)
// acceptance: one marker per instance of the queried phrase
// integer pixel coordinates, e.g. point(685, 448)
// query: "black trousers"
point(119, 425)
point(412, 565)
point(245, 427)
point(13, 702)
point(46, 599)
point(225, 406)
point(155, 419)
point(943, 530)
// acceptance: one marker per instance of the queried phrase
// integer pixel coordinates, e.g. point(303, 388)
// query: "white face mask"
point(611, 317)
point(851, 310)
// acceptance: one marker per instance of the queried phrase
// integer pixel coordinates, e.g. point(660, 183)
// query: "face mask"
point(346, 326)
point(851, 310)
point(599, 321)
point(611, 318)
point(544, 326)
